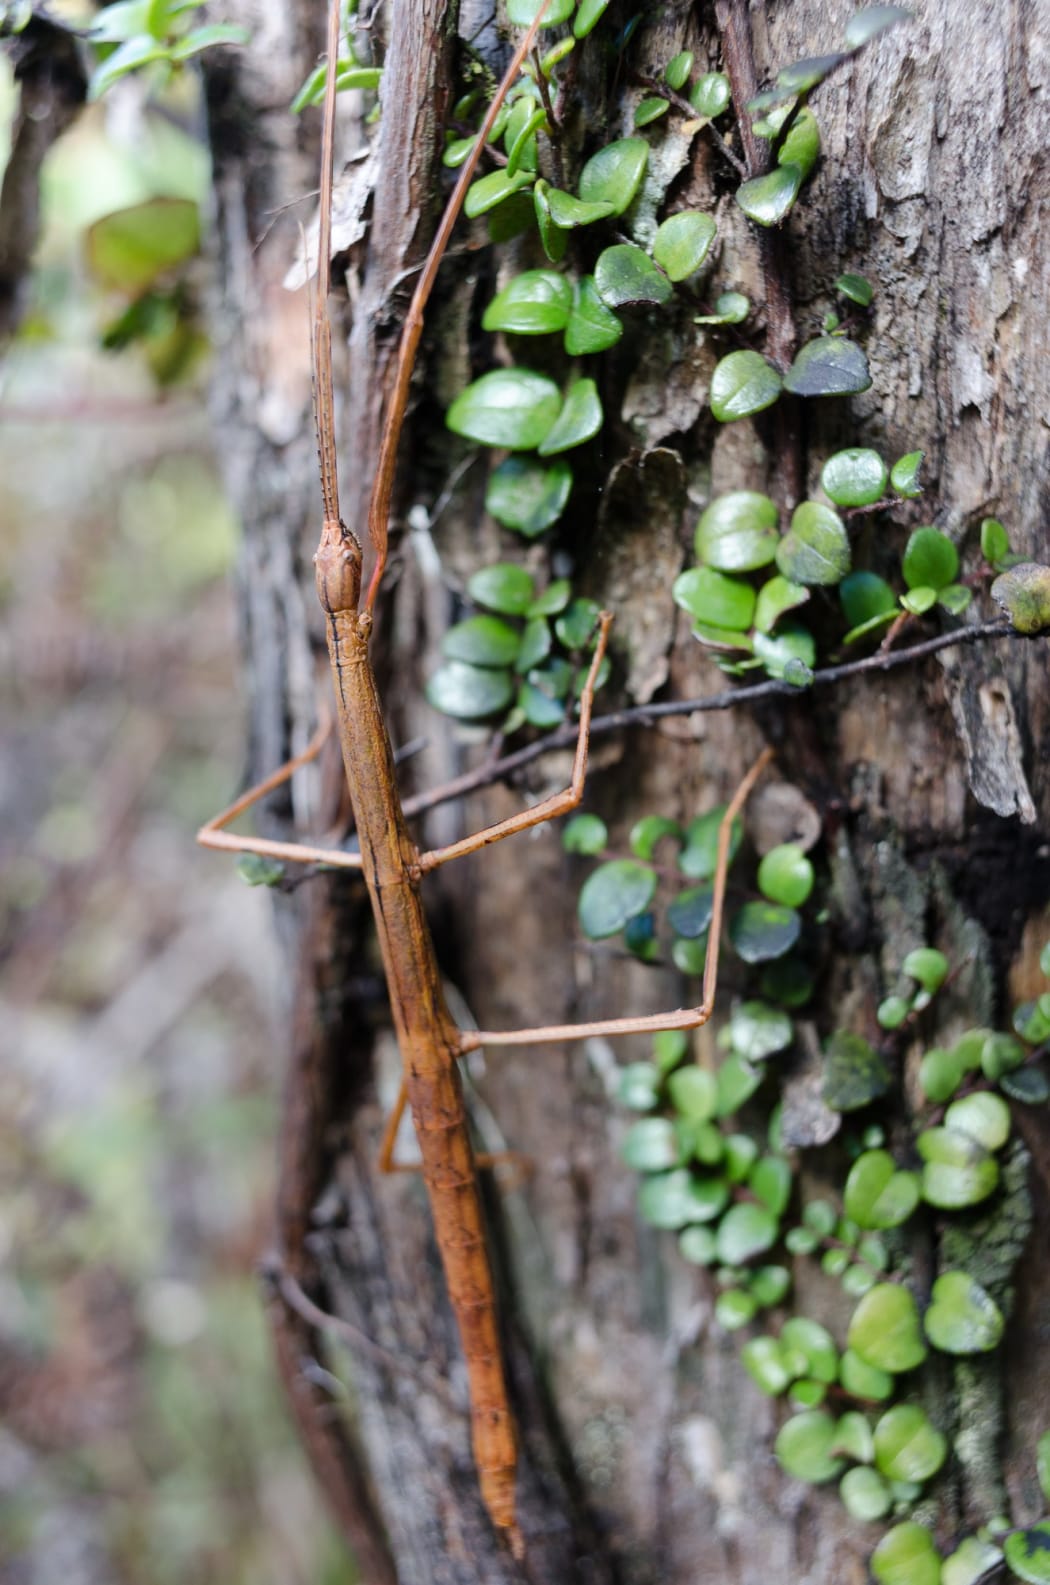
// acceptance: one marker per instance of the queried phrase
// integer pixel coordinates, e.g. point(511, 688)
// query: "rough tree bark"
point(646, 1452)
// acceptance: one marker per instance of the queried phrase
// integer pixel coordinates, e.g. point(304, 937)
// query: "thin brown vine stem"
point(644, 715)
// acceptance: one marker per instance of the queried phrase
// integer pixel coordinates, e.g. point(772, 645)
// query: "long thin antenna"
point(324, 404)
point(383, 485)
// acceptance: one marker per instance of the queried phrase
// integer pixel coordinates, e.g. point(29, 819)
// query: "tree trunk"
point(646, 1451)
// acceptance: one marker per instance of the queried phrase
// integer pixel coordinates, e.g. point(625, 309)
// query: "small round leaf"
point(503, 587)
point(693, 1093)
point(760, 931)
point(586, 833)
point(746, 1230)
point(785, 875)
point(854, 1072)
point(1024, 594)
point(757, 1031)
point(482, 641)
point(683, 242)
point(514, 408)
point(614, 893)
point(963, 1318)
point(625, 275)
point(985, 1117)
point(592, 327)
point(904, 475)
point(527, 497)
point(715, 598)
point(614, 175)
point(877, 1195)
point(677, 1199)
point(930, 560)
point(906, 1555)
point(711, 95)
point(884, 1330)
point(768, 199)
point(651, 1145)
point(815, 549)
point(856, 287)
point(533, 303)
point(855, 477)
point(738, 532)
point(958, 1171)
point(907, 1446)
point(865, 1495)
point(469, 693)
point(743, 383)
point(828, 366)
point(804, 1446)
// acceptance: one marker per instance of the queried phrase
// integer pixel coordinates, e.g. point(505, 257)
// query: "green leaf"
point(128, 249)
point(255, 870)
point(715, 598)
point(788, 981)
point(711, 95)
point(994, 543)
point(884, 1330)
point(527, 497)
point(1000, 1054)
point(865, 25)
point(855, 287)
point(650, 109)
point(904, 475)
point(579, 420)
point(743, 383)
point(677, 1199)
point(801, 147)
point(586, 833)
point(592, 327)
point(963, 1318)
point(919, 601)
point(789, 654)
point(867, 601)
point(1028, 1553)
point(815, 1344)
point(650, 830)
point(638, 1087)
point(741, 1155)
point(770, 1181)
point(760, 931)
point(697, 1244)
point(731, 308)
point(568, 212)
point(737, 1082)
point(683, 242)
point(853, 1438)
point(758, 1031)
point(578, 624)
point(125, 20)
point(504, 587)
point(855, 477)
point(614, 175)
point(626, 276)
point(930, 560)
point(940, 1074)
point(700, 854)
point(983, 1116)
point(955, 598)
point(828, 366)
point(746, 1230)
point(865, 1495)
point(854, 1072)
point(555, 240)
point(486, 192)
point(928, 966)
point(532, 304)
point(676, 72)
point(522, 13)
point(651, 1145)
point(785, 875)
point(588, 15)
point(207, 37)
point(763, 1359)
point(513, 408)
point(907, 1446)
point(689, 915)
point(482, 641)
point(815, 550)
point(128, 57)
point(801, 76)
point(738, 532)
point(670, 1047)
point(693, 1092)
point(768, 199)
point(777, 596)
point(512, 218)
point(770, 1284)
point(614, 893)
point(862, 1380)
point(971, 1563)
point(877, 1195)
point(1024, 595)
point(906, 1555)
point(958, 1171)
point(469, 693)
point(804, 1446)
point(734, 1308)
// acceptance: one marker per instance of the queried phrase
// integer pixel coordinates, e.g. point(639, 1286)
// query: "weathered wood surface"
point(647, 1450)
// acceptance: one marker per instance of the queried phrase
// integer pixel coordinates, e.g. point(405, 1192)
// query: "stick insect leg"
point(522, 1165)
point(214, 835)
point(651, 1023)
point(559, 803)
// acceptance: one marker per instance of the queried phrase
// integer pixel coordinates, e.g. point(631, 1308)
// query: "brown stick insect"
point(393, 866)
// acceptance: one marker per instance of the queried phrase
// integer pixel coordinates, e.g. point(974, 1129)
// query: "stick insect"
point(393, 866)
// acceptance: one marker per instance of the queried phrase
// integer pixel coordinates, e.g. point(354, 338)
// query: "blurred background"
point(142, 1435)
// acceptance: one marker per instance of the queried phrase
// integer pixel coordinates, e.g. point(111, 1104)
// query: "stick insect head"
point(337, 566)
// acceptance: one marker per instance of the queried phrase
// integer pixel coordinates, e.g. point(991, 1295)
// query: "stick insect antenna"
point(383, 486)
point(324, 404)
